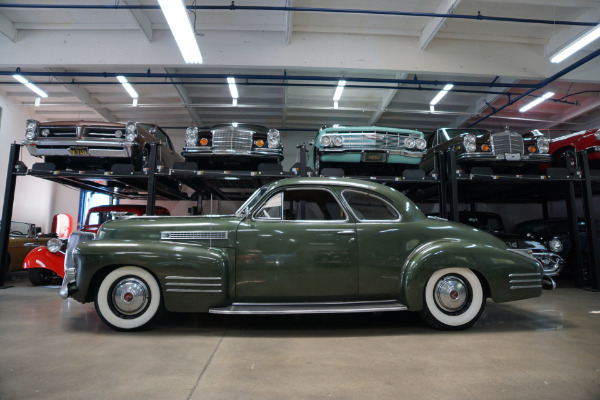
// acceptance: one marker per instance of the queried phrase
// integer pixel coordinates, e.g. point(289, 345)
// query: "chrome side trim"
point(194, 277)
point(309, 308)
point(193, 291)
point(533, 275)
point(527, 287)
point(192, 284)
point(194, 235)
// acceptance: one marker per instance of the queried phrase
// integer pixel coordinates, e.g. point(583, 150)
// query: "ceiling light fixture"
point(441, 94)
point(38, 101)
point(576, 45)
point(335, 105)
point(128, 87)
point(232, 87)
point(338, 91)
point(30, 86)
point(536, 102)
point(234, 102)
point(176, 14)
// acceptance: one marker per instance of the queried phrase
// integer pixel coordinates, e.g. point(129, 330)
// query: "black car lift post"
point(574, 234)
point(151, 199)
point(590, 222)
point(453, 185)
point(7, 209)
point(440, 166)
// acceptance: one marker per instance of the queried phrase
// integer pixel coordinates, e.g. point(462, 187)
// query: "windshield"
point(248, 204)
point(19, 228)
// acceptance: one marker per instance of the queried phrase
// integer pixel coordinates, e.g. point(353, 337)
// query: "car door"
point(298, 245)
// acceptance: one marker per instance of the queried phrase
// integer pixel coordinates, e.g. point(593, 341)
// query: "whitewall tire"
point(453, 299)
point(128, 298)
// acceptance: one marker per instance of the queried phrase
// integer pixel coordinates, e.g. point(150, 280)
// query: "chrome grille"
point(379, 141)
point(102, 132)
point(74, 239)
point(197, 235)
point(59, 132)
point(232, 139)
point(507, 142)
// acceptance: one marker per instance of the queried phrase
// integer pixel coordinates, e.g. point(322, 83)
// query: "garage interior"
point(288, 58)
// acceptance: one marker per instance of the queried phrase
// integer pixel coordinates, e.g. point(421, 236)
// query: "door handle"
point(346, 232)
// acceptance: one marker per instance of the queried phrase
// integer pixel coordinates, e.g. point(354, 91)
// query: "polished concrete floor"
point(544, 348)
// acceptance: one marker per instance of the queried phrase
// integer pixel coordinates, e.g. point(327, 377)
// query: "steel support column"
point(9, 197)
point(590, 222)
point(151, 199)
point(574, 234)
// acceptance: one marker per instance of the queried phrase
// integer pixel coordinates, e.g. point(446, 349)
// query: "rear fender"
point(41, 257)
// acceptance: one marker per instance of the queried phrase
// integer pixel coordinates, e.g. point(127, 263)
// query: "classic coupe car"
point(46, 263)
point(232, 146)
point(97, 145)
point(502, 151)
point(359, 150)
point(565, 144)
point(298, 245)
point(23, 237)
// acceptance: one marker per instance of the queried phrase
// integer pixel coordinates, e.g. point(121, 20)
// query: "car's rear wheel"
point(454, 299)
point(128, 298)
point(40, 276)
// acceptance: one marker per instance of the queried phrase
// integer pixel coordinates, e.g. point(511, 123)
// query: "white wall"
point(36, 200)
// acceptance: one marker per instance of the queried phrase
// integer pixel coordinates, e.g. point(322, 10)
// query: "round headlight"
point(543, 145)
point(597, 134)
point(46, 132)
point(118, 133)
point(421, 144)
point(273, 138)
point(326, 140)
point(555, 245)
point(31, 129)
point(409, 142)
point(469, 142)
point(131, 131)
point(191, 136)
point(54, 245)
point(338, 141)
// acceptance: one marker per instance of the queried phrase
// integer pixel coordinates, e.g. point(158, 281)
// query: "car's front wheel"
point(40, 276)
point(454, 299)
point(128, 298)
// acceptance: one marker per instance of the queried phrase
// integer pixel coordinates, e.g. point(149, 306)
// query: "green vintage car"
point(299, 245)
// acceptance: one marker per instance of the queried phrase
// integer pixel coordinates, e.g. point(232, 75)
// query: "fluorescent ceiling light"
point(441, 94)
point(30, 86)
point(339, 90)
point(38, 101)
point(235, 124)
point(128, 87)
point(232, 88)
point(577, 45)
point(177, 18)
point(335, 105)
point(135, 102)
point(234, 102)
point(536, 102)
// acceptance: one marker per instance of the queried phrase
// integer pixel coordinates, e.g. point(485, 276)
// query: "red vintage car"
point(45, 263)
point(564, 144)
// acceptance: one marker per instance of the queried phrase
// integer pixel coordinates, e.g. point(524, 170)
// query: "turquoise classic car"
point(360, 150)
point(298, 245)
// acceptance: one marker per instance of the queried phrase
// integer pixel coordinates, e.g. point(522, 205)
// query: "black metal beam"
point(9, 197)
point(574, 234)
point(151, 200)
point(590, 222)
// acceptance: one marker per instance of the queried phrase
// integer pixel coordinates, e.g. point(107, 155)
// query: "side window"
point(369, 207)
point(302, 205)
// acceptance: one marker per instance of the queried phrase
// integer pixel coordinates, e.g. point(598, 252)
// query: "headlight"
point(326, 140)
point(46, 132)
point(597, 134)
point(409, 142)
point(421, 144)
point(191, 136)
point(54, 245)
point(543, 145)
point(118, 134)
point(131, 131)
point(555, 245)
point(338, 141)
point(469, 142)
point(273, 138)
point(31, 128)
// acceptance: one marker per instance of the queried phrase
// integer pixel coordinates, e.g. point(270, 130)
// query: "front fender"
point(41, 257)
point(498, 269)
point(193, 277)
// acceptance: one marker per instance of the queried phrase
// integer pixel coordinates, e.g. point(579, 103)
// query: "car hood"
point(216, 230)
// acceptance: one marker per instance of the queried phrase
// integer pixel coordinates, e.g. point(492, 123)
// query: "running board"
point(310, 308)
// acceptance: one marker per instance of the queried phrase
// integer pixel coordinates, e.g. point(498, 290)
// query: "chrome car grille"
point(59, 132)
point(232, 139)
point(380, 141)
point(74, 239)
point(102, 132)
point(195, 235)
point(507, 142)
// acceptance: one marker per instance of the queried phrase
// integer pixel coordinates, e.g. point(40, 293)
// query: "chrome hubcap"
point(451, 293)
point(130, 296)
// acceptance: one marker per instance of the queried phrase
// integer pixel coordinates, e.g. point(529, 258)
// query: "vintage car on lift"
point(233, 146)
point(504, 151)
point(565, 144)
point(298, 245)
point(46, 263)
point(23, 238)
point(81, 145)
point(360, 150)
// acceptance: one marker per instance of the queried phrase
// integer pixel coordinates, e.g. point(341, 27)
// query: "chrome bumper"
point(208, 152)
point(489, 157)
point(551, 262)
point(405, 153)
point(68, 283)
point(96, 148)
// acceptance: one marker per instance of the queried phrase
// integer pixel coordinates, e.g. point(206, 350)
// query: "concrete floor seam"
point(206, 366)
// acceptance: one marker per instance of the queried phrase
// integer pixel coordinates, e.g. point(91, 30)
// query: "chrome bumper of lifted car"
point(551, 262)
point(206, 152)
point(539, 158)
point(95, 148)
point(405, 153)
point(593, 149)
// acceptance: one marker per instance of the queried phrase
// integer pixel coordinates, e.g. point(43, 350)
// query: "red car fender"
point(41, 257)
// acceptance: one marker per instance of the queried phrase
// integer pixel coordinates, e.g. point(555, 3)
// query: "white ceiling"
point(367, 49)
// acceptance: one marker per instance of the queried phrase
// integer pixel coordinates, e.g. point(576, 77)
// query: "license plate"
point(512, 156)
point(374, 157)
point(78, 151)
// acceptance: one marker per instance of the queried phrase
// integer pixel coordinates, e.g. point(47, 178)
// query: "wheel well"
point(102, 273)
point(484, 283)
